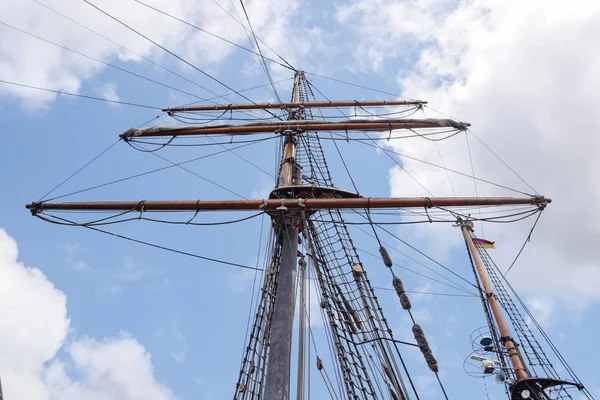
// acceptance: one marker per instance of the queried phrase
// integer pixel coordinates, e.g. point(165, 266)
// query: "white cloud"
point(390, 29)
point(117, 368)
point(108, 91)
point(542, 309)
point(34, 328)
point(27, 60)
point(524, 79)
point(244, 280)
point(264, 189)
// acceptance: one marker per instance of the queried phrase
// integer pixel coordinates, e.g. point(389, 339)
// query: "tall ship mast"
point(363, 355)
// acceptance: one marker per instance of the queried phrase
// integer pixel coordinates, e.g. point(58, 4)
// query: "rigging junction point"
point(353, 312)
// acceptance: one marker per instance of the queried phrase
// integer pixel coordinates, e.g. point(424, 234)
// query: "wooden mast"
point(505, 337)
point(277, 382)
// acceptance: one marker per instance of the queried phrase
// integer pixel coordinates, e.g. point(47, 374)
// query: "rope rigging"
point(366, 356)
point(210, 33)
point(82, 96)
point(170, 71)
point(149, 172)
point(102, 62)
point(538, 366)
point(262, 57)
point(238, 20)
point(171, 53)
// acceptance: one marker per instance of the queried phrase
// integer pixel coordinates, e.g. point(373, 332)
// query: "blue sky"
point(126, 302)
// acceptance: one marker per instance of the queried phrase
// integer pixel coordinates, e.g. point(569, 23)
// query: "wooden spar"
point(297, 127)
point(512, 352)
point(306, 104)
point(272, 204)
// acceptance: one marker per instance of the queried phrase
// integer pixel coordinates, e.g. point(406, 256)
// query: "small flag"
point(484, 244)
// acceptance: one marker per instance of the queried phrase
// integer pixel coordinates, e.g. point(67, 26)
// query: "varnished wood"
point(512, 352)
point(314, 204)
point(306, 104)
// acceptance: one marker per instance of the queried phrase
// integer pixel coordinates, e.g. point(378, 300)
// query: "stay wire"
point(79, 170)
point(443, 163)
point(358, 86)
point(200, 176)
point(146, 173)
point(207, 32)
point(247, 32)
point(238, 20)
point(398, 164)
point(122, 47)
point(266, 67)
point(427, 293)
point(79, 95)
point(90, 162)
point(450, 170)
point(457, 287)
point(502, 161)
point(474, 181)
point(173, 54)
point(100, 61)
point(426, 256)
point(246, 160)
point(185, 253)
point(491, 151)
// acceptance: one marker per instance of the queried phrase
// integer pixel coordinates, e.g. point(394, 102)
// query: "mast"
point(301, 331)
point(277, 386)
point(513, 353)
point(369, 362)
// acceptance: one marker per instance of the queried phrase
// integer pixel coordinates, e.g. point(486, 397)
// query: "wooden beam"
point(272, 204)
point(305, 104)
point(298, 126)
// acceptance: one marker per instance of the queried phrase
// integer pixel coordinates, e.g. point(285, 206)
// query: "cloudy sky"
point(88, 316)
